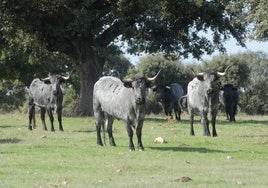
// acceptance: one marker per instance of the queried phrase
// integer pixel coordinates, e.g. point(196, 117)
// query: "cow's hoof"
point(99, 143)
point(112, 144)
point(132, 149)
point(141, 149)
point(30, 128)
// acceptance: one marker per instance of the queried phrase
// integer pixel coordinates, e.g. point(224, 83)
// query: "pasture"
point(238, 157)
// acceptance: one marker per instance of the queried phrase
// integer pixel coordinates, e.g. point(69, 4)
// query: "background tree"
point(117, 63)
point(249, 73)
point(85, 31)
point(257, 16)
point(238, 73)
point(254, 94)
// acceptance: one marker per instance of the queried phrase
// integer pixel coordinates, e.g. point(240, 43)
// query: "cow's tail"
point(183, 102)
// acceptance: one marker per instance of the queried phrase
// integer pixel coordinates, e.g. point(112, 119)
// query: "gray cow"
point(203, 98)
point(229, 99)
point(125, 100)
point(47, 94)
point(169, 95)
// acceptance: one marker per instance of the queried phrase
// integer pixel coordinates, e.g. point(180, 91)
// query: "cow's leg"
point(43, 111)
point(31, 115)
point(191, 123)
point(205, 123)
point(227, 113)
point(50, 114)
point(235, 110)
point(176, 111)
point(139, 134)
point(130, 136)
point(99, 122)
point(59, 112)
point(110, 121)
point(213, 123)
point(179, 113)
point(33, 118)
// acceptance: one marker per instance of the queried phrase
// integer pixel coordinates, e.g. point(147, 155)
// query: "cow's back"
point(177, 91)
point(39, 92)
point(195, 94)
point(112, 97)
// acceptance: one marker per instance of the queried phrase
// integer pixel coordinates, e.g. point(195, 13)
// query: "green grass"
point(238, 157)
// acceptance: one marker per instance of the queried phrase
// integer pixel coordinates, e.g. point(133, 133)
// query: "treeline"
point(248, 72)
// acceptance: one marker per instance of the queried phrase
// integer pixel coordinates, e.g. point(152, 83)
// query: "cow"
point(203, 98)
point(46, 93)
point(168, 96)
point(229, 99)
point(125, 100)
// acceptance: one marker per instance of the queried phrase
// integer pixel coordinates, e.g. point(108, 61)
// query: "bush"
point(70, 102)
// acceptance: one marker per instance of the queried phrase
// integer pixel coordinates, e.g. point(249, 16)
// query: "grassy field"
point(238, 157)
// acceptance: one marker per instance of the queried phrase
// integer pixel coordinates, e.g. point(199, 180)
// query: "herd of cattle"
point(126, 100)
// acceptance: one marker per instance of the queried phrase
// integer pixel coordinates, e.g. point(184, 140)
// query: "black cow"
point(229, 99)
point(169, 95)
point(47, 94)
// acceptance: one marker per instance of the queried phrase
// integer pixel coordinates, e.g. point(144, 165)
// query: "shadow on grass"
point(242, 122)
point(188, 149)
point(165, 120)
point(6, 126)
point(84, 131)
point(10, 141)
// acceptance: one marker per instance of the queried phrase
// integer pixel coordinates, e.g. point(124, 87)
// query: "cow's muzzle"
point(55, 92)
point(210, 91)
point(140, 101)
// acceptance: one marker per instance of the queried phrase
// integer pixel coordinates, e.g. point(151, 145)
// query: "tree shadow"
point(188, 149)
point(10, 141)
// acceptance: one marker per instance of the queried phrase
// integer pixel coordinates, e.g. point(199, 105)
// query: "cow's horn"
point(153, 78)
point(197, 74)
point(44, 79)
point(223, 73)
point(127, 80)
point(67, 77)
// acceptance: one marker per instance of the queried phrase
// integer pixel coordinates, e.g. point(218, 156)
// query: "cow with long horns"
point(47, 94)
point(203, 98)
point(125, 100)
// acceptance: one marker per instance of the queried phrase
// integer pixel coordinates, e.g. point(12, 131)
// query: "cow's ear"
point(62, 80)
point(154, 88)
point(149, 84)
point(200, 77)
point(128, 84)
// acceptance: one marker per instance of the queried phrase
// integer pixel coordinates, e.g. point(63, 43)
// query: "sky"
point(231, 48)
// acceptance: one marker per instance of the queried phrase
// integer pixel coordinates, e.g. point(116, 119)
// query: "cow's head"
point(55, 81)
point(211, 80)
point(139, 86)
point(161, 92)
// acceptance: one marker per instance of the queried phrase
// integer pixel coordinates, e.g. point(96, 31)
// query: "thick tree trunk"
point(89, 70)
